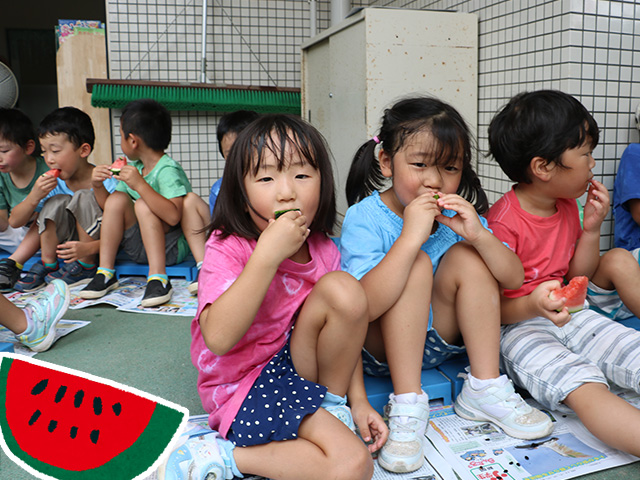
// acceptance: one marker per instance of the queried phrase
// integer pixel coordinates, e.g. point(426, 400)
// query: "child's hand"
point(466, 223)
point(131, 176)
point(44, 184)
point(544, 306)
point(418, 217)
point(596, 207)
point(99, 174)
point(373, 430)
point(72, 251)
point(283, 237)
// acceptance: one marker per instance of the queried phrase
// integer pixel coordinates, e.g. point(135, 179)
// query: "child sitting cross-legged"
point(143, 215)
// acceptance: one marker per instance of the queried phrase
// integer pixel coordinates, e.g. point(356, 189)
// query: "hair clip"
point(376, 139)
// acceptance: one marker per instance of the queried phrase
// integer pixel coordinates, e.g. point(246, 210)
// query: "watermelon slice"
point(54, 172)
point(575, 294)
point(278, 213)
point(117, 165)
point(60, 423)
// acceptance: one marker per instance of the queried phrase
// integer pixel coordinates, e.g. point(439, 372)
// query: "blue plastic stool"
point(186, 269)
point(451, 368)
point(6, 347)
point(434, 383)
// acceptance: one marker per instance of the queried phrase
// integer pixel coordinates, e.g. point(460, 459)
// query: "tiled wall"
point(584, 47)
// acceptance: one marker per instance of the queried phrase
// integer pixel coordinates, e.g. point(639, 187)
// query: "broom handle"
point(203, 44)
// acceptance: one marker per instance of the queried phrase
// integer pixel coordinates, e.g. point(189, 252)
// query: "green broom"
point(194, 96)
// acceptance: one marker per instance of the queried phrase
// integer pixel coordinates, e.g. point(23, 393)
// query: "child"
point(626, 200)
point(143, 214)
point(196, 217)
point(431, 270)
point(19, 171)
point(35, 325)
point(260, 277)
point(68, 224)
point(543, 141)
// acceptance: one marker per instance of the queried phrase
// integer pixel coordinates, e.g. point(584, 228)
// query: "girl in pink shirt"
point(269, 265)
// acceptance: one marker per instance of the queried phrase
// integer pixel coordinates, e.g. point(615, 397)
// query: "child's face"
point(414, 171)
point(296, 186)
point(573, 177)
point(60, 152)
point(11, 155)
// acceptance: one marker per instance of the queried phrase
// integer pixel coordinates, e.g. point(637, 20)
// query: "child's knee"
point(358, 464)
point(117, 200)
point(617, 259)
point(344, 293)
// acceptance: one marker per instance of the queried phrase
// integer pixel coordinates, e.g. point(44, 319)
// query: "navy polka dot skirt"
point(276, 404)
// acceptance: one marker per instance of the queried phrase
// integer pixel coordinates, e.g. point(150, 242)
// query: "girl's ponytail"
point(364, 175)
point(471, 189)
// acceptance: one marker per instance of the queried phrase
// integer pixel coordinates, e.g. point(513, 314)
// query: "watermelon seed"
point(39, 387)
point(73, 432)
point(77, 400)
point(97, 405)
point(34, 417)
point(52, 426)
point(60, 393)
point(117, 408)
point(94, 436)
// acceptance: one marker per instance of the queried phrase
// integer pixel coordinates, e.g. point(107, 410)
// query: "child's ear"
point(30, 147)
point(541, 168)
point(85, 150)
point(386, 163)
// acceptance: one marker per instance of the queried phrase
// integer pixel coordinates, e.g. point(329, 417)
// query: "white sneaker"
point(500, 404)
point(403, 451)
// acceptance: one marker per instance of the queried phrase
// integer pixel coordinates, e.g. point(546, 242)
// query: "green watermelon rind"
point(137, 459)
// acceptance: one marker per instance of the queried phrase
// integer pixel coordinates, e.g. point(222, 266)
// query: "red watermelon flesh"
point(54, 172)
point(575, 293)
point(118, 164)
point(65, 425)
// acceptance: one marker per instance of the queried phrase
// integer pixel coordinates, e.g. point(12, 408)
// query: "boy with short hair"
point(19, 172)
point(196, 216)
point(143, 215)
point(68, 224)
point(543, 141)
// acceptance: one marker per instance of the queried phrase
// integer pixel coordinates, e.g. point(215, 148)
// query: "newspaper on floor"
point(64, 327)
point(478, 450)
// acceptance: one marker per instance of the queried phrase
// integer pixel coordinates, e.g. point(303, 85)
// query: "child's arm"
point(536, 304)
point(23, 212)
point(99, 174)
point(504, 264)
point(227, 319)
point(587, 255)
point(169, 210)
point(4, 220)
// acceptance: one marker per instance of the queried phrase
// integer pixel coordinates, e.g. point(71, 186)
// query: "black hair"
point(234, 122)
point(545, 124)
point(16, 127)
point(71, 121)
point(149, 120)
point(404, 119)
point(271, 133)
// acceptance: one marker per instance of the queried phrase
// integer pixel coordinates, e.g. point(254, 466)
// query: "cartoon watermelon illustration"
point(54, 172)
point(62, 424)
point(575, 294)
point(117, 165)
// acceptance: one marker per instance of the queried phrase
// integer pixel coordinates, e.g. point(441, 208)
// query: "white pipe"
point(339, 11)
point(203, 44)
point(313, 18)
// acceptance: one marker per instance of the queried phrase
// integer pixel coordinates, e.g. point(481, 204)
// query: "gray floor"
point(151, 353)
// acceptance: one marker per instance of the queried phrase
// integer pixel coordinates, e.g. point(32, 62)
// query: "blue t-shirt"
point(370, 228)
point(627, 187)
point(63, 189)
point(213, 195)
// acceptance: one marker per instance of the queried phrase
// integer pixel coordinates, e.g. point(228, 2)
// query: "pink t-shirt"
point(545, 245)
point(224, 381)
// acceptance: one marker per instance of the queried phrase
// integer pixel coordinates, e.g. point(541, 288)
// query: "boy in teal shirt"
point(143, 215)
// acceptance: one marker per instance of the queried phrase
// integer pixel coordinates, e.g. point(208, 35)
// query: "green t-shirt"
point(168, 179)
point(10, 195)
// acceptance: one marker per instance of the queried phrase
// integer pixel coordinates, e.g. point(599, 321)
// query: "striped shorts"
point(551, 362)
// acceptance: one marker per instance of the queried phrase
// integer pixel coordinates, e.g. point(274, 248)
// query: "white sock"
point(478, 384)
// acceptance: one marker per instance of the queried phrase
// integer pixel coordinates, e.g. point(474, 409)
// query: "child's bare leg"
point(152, 230)
point(619, 427)
point(404, 329)
point(48, 243)
point(329, 333)
point(117, 217)
point(324, 449)
point(620, 271)
point(12, 317)
point(195, 217)
point(466, 301)
point(86, 238)
point(29, 245)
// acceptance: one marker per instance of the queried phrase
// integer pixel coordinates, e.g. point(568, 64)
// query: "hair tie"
point(376, 139)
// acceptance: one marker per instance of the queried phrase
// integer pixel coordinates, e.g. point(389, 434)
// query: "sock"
point(87, 265)
point(19, 266)
point(51, 266)
point(27, 316)
point(107, 272)
point(331, 399)
point(229, 461)
point(159, 276)
point(477, 384)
